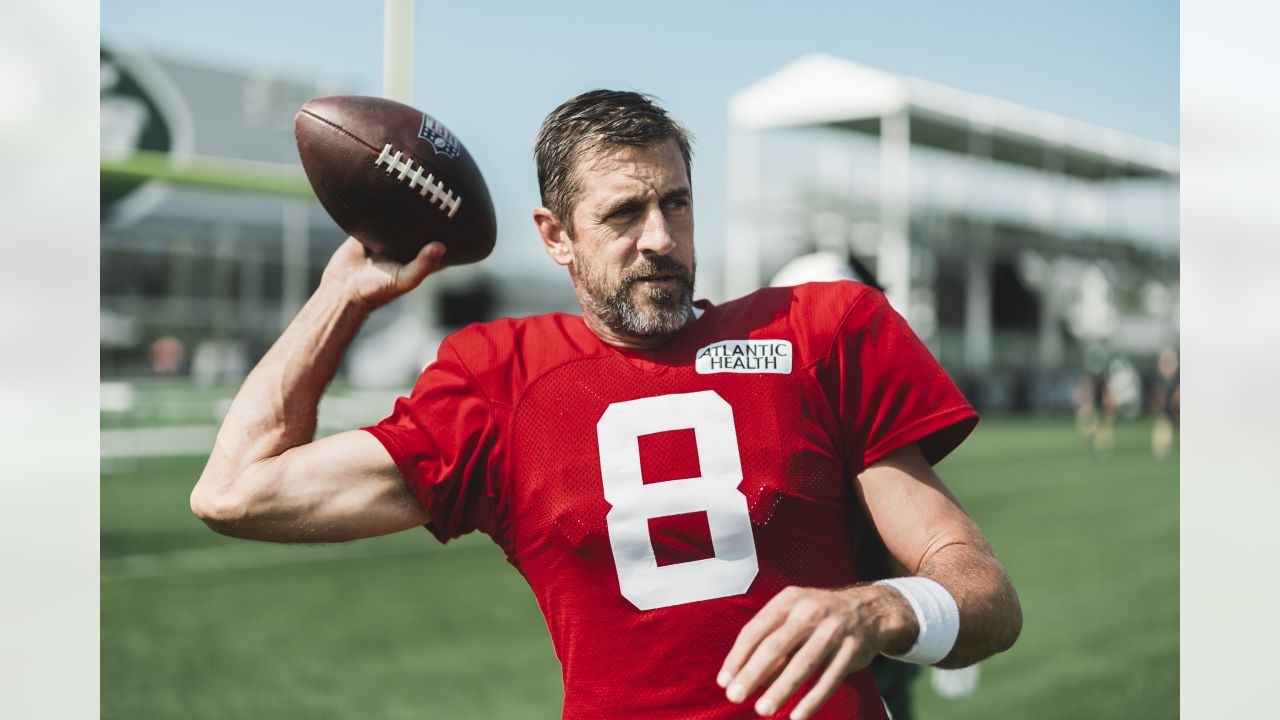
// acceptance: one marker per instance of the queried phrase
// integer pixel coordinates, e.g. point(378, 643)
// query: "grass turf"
point(199, 626)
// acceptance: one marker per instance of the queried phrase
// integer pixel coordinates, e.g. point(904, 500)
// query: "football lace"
point(425, 185)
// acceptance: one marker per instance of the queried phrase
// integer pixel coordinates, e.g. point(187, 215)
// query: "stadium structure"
point(1021, 245)
point(212, 238)
point(209, 236)
point(1016, 242)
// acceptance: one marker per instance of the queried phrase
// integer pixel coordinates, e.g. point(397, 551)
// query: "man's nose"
point(655, 236)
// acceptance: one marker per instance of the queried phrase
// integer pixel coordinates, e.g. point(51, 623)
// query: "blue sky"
point(492, 70)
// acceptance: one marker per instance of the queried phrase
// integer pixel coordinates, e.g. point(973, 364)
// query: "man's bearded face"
point(654, 298)
point(631, 240)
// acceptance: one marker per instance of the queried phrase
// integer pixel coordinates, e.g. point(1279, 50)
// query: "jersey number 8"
point(734, 566)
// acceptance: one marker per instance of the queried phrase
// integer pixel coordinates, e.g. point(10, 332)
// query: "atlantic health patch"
point(745, 356)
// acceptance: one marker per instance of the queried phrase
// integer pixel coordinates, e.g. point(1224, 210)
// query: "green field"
point(199, 626)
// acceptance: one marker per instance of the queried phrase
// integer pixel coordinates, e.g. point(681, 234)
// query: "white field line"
point(254, 556)
point(182, 440)
point(168, 441)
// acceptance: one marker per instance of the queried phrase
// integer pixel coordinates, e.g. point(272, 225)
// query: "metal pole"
point(1049, 345)
point(294, 256)
point(979, 331)
point(894, 258)
point(742, 243)
point(249, 312)
point(835, 168)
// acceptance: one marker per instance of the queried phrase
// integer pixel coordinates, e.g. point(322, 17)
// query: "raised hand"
point(372, 281)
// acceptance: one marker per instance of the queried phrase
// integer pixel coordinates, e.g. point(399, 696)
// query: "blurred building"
point(1019, 244)
point(1015, 241)
point(217, 271)
point(212, 239)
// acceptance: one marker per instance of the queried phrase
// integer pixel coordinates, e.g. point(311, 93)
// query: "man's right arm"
point(267, 477)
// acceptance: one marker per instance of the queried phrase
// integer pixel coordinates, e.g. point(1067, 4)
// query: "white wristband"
point(937, 614)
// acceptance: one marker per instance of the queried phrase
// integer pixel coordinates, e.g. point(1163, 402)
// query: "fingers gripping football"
point(800, 632)
point(371, 281)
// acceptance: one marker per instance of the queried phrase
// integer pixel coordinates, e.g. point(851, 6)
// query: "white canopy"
point(822, 90)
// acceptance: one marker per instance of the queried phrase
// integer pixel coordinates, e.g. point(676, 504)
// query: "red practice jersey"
point(655, 500)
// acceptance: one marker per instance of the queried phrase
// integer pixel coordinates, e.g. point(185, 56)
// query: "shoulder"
point(827, 305)
point(505, 355)
point(815, 313)
point(818, 300)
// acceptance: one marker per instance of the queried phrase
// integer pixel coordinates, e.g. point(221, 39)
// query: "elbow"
point(224, 506)
point(220, 509)
point(1012, 626)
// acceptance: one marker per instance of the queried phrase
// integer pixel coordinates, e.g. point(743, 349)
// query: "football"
point(395, 178)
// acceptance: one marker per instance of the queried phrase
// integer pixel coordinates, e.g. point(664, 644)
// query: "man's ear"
point(555, 239)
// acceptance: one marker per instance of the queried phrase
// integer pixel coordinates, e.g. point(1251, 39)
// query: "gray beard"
point(668, 312)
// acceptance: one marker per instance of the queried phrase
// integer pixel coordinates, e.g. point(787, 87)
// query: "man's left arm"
point(803, 631)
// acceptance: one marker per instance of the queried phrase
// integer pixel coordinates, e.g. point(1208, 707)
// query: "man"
point(1164, 402)
point(677, 481)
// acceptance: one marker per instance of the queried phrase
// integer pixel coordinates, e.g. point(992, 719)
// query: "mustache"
point(658, 265)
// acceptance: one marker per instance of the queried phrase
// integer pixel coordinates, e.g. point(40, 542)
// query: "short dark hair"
point(592, 120)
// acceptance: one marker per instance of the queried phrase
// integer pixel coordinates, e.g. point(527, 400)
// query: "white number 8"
point(634, 503)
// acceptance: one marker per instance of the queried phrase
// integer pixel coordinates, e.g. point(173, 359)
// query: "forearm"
point(927, 532)
point(990, 614)
point(276, 407)
point(267, 478)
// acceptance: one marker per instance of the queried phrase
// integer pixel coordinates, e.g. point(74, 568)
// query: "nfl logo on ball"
point(442, 141)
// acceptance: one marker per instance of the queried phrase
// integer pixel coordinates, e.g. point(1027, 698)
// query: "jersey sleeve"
point(443, 438)
point(888, 389)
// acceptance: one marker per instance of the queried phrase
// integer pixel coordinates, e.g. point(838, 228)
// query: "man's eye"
point(623, 213)
point(676, 204)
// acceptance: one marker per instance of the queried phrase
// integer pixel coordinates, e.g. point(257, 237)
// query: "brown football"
point(395, 178)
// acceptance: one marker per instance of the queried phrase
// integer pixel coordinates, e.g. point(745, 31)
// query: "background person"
point(1165, 401)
